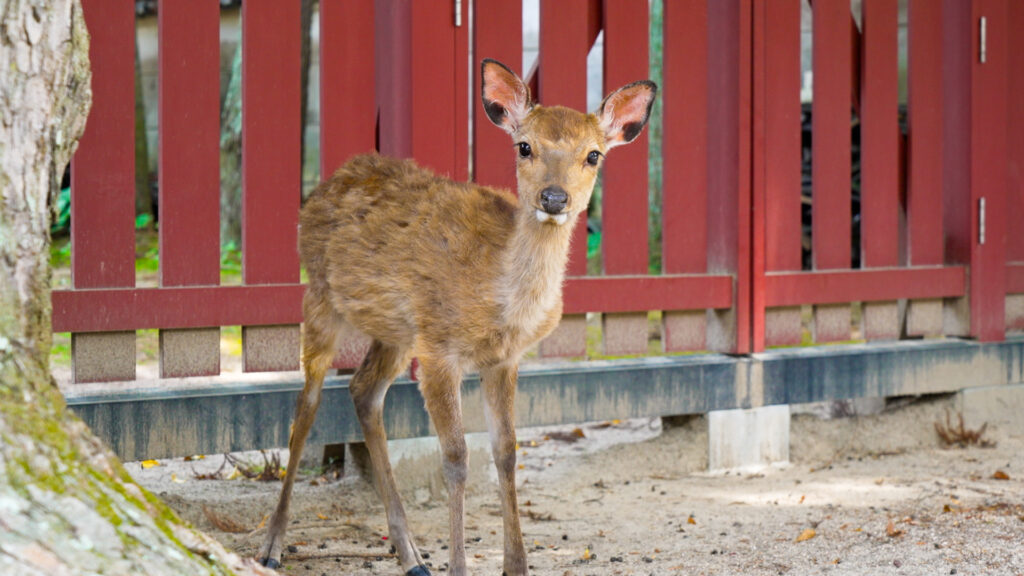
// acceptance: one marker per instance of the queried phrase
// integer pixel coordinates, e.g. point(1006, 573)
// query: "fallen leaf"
point(263, 522)
point(806, 535)
point(586, 553)
point(147, 464)
point(321, 516)
point(892, 531)
point(802, 498)
point(1000, 475)
point(691, 520)
point(175, 479)
point(879, 481)
point(195, 457)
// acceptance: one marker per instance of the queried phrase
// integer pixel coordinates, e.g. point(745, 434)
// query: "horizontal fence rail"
point(855, 216)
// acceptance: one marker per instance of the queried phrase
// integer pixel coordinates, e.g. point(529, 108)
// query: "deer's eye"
point(593, 158)
point(524, 150)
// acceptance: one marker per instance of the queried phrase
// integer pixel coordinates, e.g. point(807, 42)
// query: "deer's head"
point(559, 150)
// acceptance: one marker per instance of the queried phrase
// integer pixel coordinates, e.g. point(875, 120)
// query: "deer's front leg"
point(499, 385)
point(440, 385)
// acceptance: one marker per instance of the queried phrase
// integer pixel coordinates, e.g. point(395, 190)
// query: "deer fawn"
point(461, 276)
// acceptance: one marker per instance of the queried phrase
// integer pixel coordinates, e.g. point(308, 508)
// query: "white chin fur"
point(558, 219)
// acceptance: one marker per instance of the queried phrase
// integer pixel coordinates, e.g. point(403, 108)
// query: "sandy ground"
point(878, 493)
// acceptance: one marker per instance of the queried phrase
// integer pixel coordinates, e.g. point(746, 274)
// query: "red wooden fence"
point(395, 76)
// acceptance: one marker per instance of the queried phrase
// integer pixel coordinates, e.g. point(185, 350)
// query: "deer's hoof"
point(270, 563)
point(418, 570)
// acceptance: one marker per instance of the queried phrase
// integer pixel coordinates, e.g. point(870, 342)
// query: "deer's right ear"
point(506, 99)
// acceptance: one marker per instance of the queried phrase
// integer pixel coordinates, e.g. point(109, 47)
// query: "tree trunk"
point(67, 506)
point(231, 157)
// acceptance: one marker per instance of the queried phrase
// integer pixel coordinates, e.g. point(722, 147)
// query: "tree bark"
point(67, 506)
point(231, 157)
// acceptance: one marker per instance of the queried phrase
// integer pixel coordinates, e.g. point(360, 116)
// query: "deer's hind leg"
point(383, 363)
point(319, 346)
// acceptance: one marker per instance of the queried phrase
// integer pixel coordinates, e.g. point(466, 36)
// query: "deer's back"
point(399, 251)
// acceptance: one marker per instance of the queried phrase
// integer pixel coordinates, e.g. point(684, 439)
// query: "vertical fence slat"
point(831, 125)
point(348, 108)
point(924, 155)
point(684, 99)
point(103, 188)
point(271, 169)
point(830, 164)
point(562, 80)
point(1015, 241)
point(103, 168)
point(879, 195)
point(189, 119)
point(624, 213)
point(880, 135)
point(924, 119)
point(624, 210)
point(989, 170)
point(782, 134)
point(438, 114)
point(684, 153)
point(498, 35)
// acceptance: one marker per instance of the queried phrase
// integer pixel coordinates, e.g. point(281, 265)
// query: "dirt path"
point(879, 494)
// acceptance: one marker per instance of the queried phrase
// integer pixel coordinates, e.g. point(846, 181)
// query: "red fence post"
point(729, 112)
point(348, 107)
point(498, 34)
point(624, 198)
point(1015, 191)
point(777, 160)
point(684, 154)
point(271, 169)
point(189, 112)
point(103, 188)
point(924, 155)
point(879, 153)
point(989, 169)
point(830, 167)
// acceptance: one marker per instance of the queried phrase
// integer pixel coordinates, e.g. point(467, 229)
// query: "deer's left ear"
point(624, 113)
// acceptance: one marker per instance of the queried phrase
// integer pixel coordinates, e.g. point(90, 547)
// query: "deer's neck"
point(534, 268)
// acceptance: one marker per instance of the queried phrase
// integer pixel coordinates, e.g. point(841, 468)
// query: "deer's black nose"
point(553, 199)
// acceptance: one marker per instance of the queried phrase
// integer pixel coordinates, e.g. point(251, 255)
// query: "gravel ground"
point(862, 495)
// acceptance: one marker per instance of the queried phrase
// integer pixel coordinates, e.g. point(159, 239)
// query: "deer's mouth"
point(556, 219)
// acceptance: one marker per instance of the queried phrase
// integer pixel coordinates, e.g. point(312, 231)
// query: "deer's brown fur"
point(462, 276)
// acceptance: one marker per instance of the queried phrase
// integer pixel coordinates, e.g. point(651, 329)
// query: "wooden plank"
point(348, 107)
point(642, 293)
point(924, 120)
point(1015, 132)
point(103, 168)
point(189, 117)
point(624, 203)
point(103, 187)
point(989, 84)
point(271, 163)
point(181, 307)
point(831, 147)
point(498, 35)
point(781, 61)
point(562, 80)
point(438, 93)
point(880, 136)
point(684, 151)
point(876, 284)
